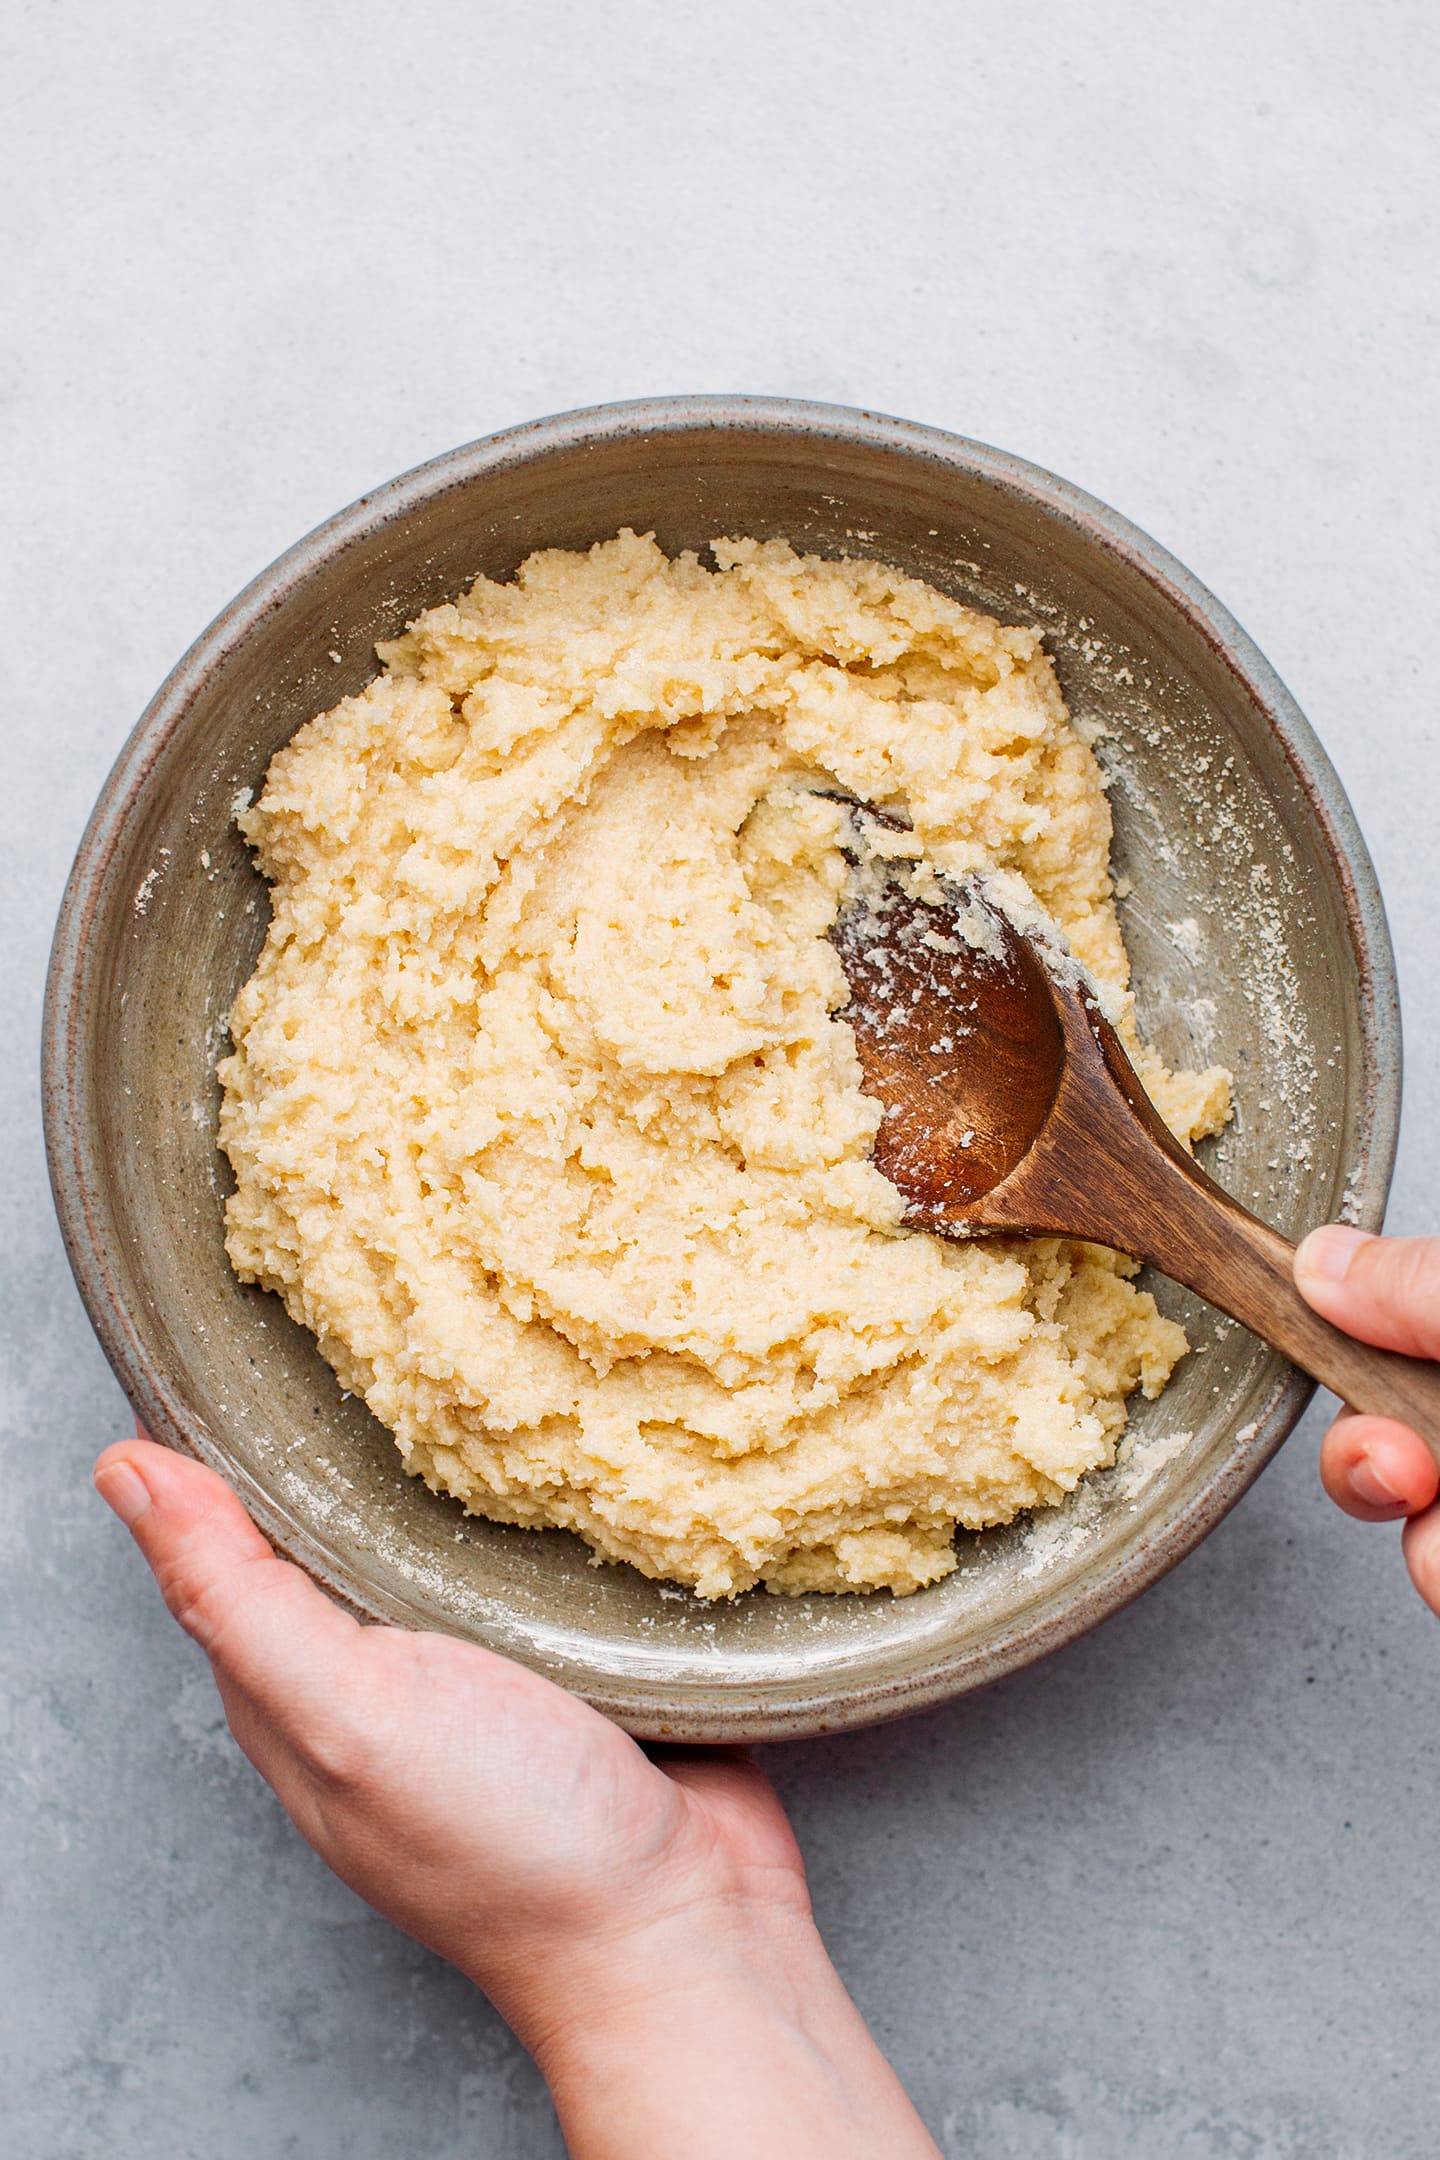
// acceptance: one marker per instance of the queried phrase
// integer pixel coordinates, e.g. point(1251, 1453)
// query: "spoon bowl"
point(958, 1036)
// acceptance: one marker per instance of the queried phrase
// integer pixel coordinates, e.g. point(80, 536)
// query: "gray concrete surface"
point(1171, 1897)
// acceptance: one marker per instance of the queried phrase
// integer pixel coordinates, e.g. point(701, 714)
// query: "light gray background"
point(1172, 1896)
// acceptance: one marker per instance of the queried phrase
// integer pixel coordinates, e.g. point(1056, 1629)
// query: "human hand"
point(1385, 1291)
point(644, 1926)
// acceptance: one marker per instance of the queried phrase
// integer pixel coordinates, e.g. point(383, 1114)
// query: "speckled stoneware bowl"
point(1254, 922)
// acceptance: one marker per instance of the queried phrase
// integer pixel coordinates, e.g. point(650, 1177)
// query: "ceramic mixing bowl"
point(1253, 919)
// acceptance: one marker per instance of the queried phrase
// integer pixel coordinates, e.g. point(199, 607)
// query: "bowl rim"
point(698, 1710)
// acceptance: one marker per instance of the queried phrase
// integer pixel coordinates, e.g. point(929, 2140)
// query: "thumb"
point(1384, 1290)
point(260, 1621)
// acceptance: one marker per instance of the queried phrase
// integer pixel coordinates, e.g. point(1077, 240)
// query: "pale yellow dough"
point(539, 1112)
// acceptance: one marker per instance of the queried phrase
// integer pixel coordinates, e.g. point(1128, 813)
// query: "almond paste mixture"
point(539, 1111)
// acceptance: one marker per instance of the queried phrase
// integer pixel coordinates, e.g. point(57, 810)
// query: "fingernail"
point(1329, 1251)
point(122, 1488)
point(1368, 1485)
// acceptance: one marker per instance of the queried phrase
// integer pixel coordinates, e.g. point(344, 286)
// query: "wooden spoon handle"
point(1207, 1241)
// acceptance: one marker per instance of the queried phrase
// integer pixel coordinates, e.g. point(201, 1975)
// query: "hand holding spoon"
point(1011, 1107)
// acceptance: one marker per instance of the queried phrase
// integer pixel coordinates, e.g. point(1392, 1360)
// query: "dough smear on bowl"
point(540, 1113)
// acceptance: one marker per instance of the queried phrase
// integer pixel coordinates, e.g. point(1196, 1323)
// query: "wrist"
point(560, 1994)
point(716, 2030)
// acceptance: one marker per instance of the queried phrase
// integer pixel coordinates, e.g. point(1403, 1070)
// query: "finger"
point(1385, 1290)
point(1422, 1555)
point(731, 1778)
point(263, 1624)
point(1377, 1470)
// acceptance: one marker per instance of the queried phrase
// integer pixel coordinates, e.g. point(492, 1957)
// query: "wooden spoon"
point(1010, 1107)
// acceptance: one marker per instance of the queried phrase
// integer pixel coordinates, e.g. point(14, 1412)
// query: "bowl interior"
point(1241, 924)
